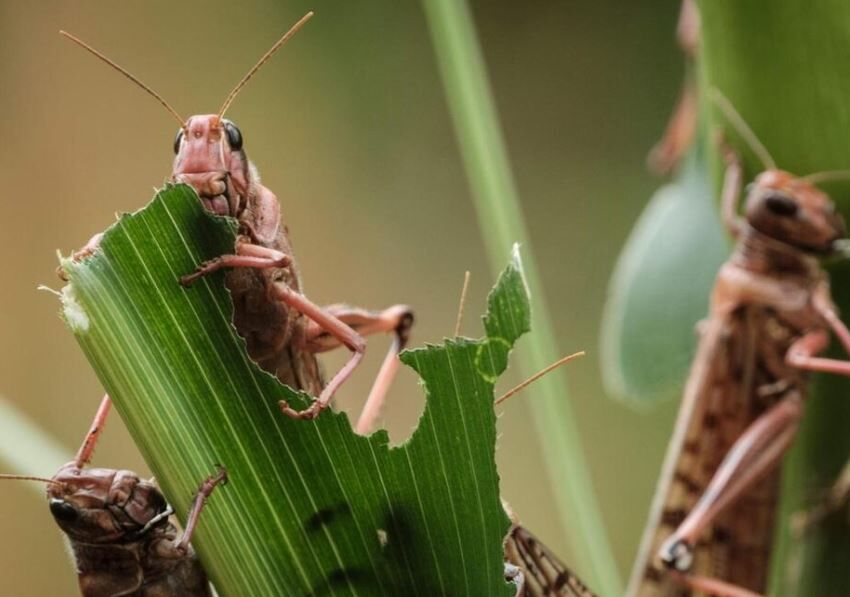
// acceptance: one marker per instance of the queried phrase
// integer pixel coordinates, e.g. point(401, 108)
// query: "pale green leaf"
point(660, 289)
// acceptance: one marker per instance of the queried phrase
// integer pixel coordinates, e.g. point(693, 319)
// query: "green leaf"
point(311, 507)
point(659, 289)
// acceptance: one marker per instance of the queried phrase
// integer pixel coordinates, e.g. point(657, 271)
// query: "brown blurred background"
point(348, 126)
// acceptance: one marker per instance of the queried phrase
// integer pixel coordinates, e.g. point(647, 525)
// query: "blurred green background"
point(348, 125)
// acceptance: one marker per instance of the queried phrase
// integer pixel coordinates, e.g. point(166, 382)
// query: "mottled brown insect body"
point(119, 528)
point(211, 159)
point(120, 534)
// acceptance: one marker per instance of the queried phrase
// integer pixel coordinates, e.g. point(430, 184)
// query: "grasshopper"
point(771, 314)
point(282, 328)
point(119, 528)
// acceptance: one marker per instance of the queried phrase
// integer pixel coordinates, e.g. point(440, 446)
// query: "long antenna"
point(743, 129)
point(538, 375)
point(286, 36)
point(29, 478)
point(827, 176)
point(127, 74)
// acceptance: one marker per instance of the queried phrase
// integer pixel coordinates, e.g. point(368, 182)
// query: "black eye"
point(63, 511)
point(234, 137)
point(781, 205)
point(177, 141)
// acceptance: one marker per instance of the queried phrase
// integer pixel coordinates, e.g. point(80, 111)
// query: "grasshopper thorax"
point(96, 505)
point(794, 211)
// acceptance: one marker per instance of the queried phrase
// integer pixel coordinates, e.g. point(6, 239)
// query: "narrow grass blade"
point(26, 448)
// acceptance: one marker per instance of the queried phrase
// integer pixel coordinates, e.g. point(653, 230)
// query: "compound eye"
point(63, 511)
point(234, 136)
point(781, 205)
point(177, 140)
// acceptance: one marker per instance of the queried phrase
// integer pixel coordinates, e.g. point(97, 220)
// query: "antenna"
point(286, 36)
point(740, 125)
point(29, 478)
point(127, 74)
point(538, 375)
point(827, 176)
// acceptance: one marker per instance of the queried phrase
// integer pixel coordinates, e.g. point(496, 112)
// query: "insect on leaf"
point(311, 508)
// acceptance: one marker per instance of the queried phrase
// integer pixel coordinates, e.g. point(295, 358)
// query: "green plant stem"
point(785, 65)
point(502, 223)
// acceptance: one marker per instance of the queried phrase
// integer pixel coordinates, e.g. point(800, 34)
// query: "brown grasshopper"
point(282, 328)
point(119, 529)
point(771, 313)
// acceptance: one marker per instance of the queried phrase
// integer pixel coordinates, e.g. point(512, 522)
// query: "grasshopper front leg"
point(329, 328)
point(181, 546)
point(84, 454)
point(247, 255)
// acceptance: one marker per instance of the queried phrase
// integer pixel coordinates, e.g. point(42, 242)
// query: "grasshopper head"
point(98, 505)
point(794, 211)
point(210, 158)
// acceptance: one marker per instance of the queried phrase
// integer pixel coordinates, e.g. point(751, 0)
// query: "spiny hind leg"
point(754, 454)
point(397, 319)
point(335, 328)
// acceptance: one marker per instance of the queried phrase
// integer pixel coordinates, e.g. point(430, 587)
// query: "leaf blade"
point(308, 502)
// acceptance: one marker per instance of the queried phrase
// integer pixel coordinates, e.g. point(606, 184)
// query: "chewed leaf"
point(311, 507)
point(660, 289)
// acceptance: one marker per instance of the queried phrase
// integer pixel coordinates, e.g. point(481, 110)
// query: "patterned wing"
point(720, 402)
point(542, 573)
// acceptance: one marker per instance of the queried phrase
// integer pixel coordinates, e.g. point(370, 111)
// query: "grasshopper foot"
point(207, 267)
point(677, 554)
point(308, 414)
point(81, 254)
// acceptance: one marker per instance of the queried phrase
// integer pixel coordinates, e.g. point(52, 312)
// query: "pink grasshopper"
point(771, 314)
point(283, 329)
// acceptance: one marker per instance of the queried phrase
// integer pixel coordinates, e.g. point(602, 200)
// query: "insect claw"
point(308, 414)
point(189, 279)
point(221, 477)
point(677, 554)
